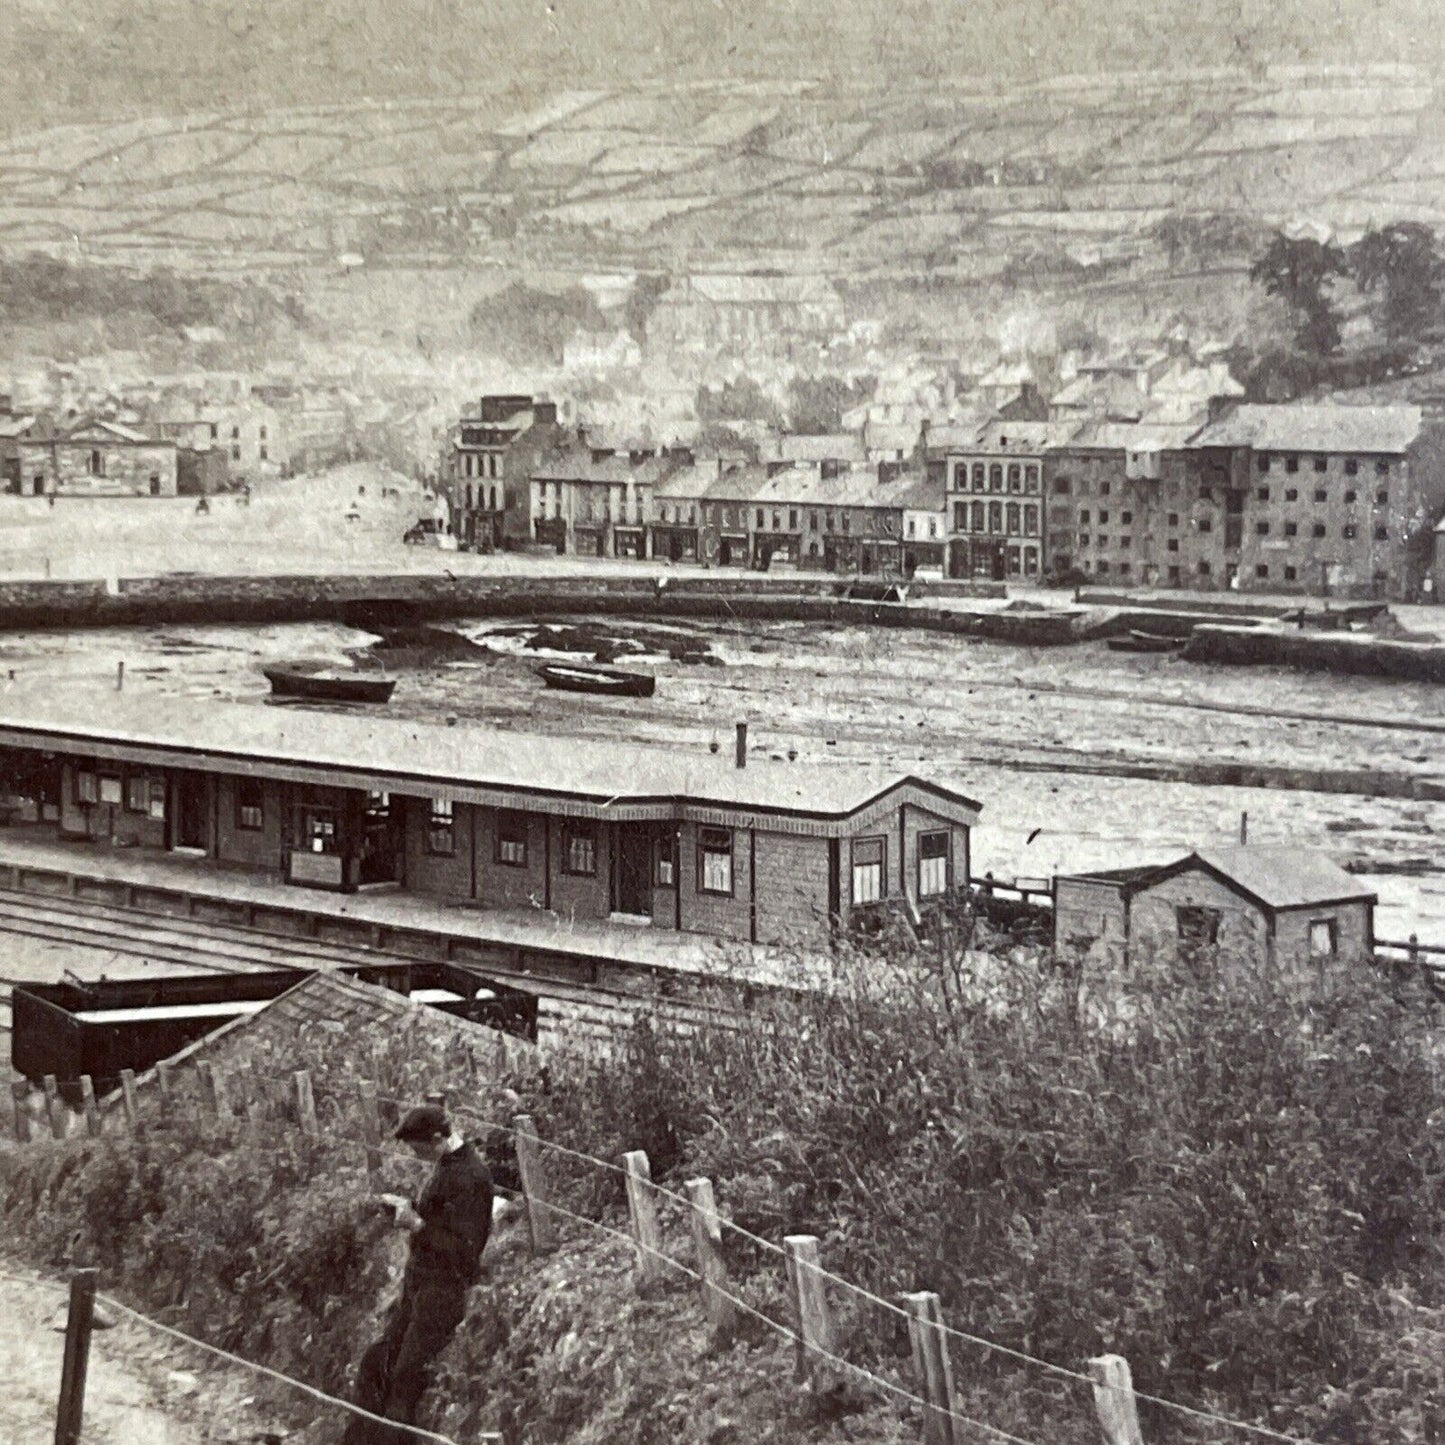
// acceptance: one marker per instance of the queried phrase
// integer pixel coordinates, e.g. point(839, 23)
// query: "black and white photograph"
point(721, 722)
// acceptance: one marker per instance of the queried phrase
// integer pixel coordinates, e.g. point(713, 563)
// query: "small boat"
point(1145, 642)
point(1338, 618)
point(608, 681)
point(322, 680)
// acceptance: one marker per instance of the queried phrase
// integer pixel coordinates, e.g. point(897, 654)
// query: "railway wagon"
point(70, 1029)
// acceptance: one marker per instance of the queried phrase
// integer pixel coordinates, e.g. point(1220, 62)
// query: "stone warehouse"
point(783, 854)
point(91, 458)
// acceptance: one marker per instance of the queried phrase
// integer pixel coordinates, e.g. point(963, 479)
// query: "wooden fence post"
point(707, 1241)
point(20, 1093)
point(812, 1315)
point(128, 1101)
point(305, 1103)
point(646, 1231)
point(55, 1108)
point(210, 1088)
point(163, 1085)
point(540, 1223)
point(1114, 1400)
point(371, 1132)
point(932, 1367)
point(70, 1408)
point(87, 1100)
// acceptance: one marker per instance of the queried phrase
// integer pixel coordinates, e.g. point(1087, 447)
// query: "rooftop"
point(1315, 428)
point(491, 766)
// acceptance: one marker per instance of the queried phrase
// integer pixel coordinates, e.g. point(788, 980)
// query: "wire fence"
point(757, 1297)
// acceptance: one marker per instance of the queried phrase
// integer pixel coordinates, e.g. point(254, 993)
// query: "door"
point(382, 850)
point(632, 870)
point(190, 826)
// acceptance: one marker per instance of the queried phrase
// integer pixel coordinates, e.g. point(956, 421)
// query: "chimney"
point(742, 755)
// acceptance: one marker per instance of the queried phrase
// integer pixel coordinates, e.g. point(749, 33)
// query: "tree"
point(1300, 272)
point(1399, 268)
point(740, 400)
point(646, 292)
point(530, 326)
point(816, 403)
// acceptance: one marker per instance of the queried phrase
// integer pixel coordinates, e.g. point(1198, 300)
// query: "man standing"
point(449, 1224)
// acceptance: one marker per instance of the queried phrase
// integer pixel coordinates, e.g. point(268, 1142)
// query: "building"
point(996, 491)
point(249, 434)
point(1282, 907)
point(925, 523)
point(726, 534)
point(830, 517)
point(772, 853)
point(1116, 507)
point(90, 457)
point(722, 312)
point(674, 532)
point(490, 460)
point(1339, 500)
point(202, 471)
point(596, 506)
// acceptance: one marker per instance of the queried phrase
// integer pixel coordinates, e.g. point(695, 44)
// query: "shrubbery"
point(1235, 1185)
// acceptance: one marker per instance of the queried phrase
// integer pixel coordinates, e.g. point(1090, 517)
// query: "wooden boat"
point(1145, 642)
point(323, 681)
point(1339, 618)
point(606, 681)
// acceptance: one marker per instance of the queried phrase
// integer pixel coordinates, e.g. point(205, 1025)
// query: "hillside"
point(1065, 179)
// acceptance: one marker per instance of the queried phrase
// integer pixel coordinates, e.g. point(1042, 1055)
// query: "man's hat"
point(428, 1121)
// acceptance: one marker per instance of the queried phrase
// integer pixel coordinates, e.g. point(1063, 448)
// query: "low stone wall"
point(1352, 653)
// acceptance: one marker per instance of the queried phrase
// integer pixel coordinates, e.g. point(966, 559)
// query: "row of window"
point(1291, 494)
point(1264, 461)
point(485, 465)
point(991, 478)
point(135, 792)
point(1012, 519)
point(482, 498)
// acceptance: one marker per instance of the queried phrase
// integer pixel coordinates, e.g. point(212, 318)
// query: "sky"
point(87, 59)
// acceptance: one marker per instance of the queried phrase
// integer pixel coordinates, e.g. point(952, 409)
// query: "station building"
point(771, 853)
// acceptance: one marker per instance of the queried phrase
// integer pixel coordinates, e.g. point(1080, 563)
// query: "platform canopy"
point(471, 763)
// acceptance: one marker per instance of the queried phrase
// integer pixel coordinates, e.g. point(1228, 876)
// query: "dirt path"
point(122, 1405)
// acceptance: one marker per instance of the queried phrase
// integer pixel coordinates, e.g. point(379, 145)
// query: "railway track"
point(142, 944)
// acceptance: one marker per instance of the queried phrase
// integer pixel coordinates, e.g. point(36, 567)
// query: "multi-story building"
point(1315, 498)
point(831, 518)
point(596, 506)
point(712, 312)
point(1116, 506)
point(491, 457)
point(996, 493)
point(250, 435)
point(925, 522)
point(674, 532)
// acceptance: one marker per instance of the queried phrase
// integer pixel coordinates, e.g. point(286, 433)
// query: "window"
point(1124, 544)
point(1103, 566)
point(1103, 516)
point(1174, 578)
point(511, 839)
point(1031, 519)
point(86, 788)
point(1031, 477)
point(1261, 529)
point(135, 794)
point(978, 516)
point(1381, 534)
point(960, 516)
point(1291, 529)
point(978, 481)
point(1013, 519)
point(1261, 569)
point(235, 453)
point(1351, 496)
point(1015, 478)
point(1174, 519)
point(933, 526)
point(847, 522)
point(1198, 927)
point(110, 791)
point(261, 453)
point(813, 521)
point(715, 861)
point(793, 519)
point(1321, 495)
point(1126, 567)
point(249, 810)
point(1348, 531)
point(664, 862)
point(1103, 540)
point(1318, 530)
point(215, 431)
point(1103, 489)
point(1382, 496)
point(1321, 464)
point(1205, 524)
point(1172, 545)
point(235, 433)
point(1205, 569)
point(157, 804)
point(1262, 461)
point(995, 478)
point(995, 516)
point(1291, 464)
point(1290, 574)
point(97, 464)
point(1382, 468)
point(262, 433)
point(441, 835)
point(1083, 516)
point(933, 860)
point(1291, 494)
point(1061, 486)
point(1126, 517)
point(868, 858)
point(777, 521)
point(1324, 938)
point(579, 848)
point(1262, 494)
point(760, 518)
point(155, 484)
point(1352, 466)
point(1083, 539)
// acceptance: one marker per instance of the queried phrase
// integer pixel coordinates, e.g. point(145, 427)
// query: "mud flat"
point(1353, 653)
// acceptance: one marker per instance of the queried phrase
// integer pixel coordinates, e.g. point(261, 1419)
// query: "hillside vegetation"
point(1236, 1188)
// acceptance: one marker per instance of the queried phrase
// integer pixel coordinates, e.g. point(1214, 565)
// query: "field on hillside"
point(625, 176)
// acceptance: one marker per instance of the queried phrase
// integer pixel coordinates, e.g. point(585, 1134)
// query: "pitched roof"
point(1131, 436)
point(1314, 428)
point(1025, 436)
point(1283, 877)
point(470, 763)
point(578, 466)
point(922, 494)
